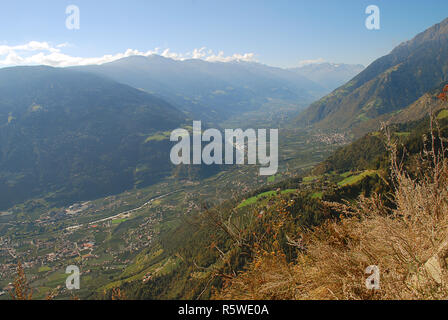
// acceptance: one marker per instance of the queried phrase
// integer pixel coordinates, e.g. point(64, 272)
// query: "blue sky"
point(280, 32)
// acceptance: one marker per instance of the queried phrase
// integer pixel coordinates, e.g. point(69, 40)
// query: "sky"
point(284, 33)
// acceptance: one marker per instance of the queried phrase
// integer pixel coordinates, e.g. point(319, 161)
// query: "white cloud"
point(307, 62)
point(42, 53)
point(235, 57)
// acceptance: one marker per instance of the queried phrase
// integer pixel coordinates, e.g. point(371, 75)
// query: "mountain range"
point(218, 90)
point(211, 90)
point(88, 131)
point(80, 133)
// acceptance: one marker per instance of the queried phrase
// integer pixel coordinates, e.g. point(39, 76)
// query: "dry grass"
point(409, 244)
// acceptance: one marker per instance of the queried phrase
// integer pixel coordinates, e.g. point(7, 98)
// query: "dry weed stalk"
point(21, 290)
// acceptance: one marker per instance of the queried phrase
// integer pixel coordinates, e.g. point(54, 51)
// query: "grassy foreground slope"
point(401, 229)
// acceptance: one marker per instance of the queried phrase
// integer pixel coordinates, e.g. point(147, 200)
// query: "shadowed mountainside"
point(77, 135)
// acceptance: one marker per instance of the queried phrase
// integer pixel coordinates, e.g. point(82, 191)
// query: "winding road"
point(121, 214)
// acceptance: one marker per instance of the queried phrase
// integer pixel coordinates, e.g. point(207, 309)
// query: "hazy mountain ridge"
point(211, 90)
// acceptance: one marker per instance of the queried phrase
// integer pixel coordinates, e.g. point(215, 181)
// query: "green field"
point(44, 269)
point(118, 221)
point(317, 195)
point(311, 178)
point(159, 136)
point(356, 178)
point(268, 194)
point(443, 114)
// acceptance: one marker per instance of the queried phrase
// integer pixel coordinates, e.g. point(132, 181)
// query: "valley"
point(104, 236)
point(134, 169)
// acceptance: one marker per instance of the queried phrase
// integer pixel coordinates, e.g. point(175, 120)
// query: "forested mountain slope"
point(76, 135)
point(388, 85)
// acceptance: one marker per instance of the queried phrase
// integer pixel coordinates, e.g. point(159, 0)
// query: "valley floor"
point(104, 237)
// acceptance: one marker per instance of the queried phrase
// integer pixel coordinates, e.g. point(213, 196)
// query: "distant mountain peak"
point(326, 63)
point(140, 59)
point(329, 75)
